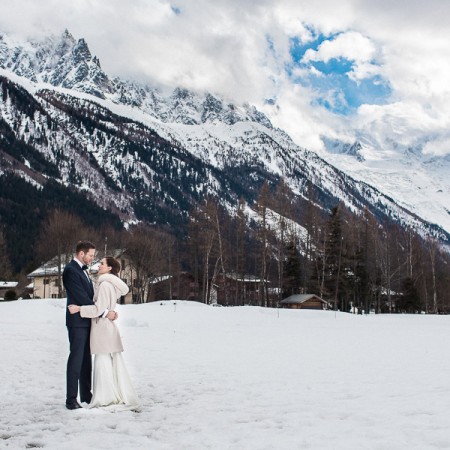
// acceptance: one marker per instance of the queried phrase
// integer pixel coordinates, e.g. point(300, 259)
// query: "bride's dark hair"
point(114, 264)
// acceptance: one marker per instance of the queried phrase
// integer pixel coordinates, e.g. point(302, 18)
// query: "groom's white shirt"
point(106, 311)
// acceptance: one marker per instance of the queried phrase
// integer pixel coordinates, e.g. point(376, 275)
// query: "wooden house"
point(304, 301)
point(6, 286)
point(232, 289)
point(45, 279)
point(181, 286)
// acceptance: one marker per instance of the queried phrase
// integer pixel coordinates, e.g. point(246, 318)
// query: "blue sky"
point(331, 80)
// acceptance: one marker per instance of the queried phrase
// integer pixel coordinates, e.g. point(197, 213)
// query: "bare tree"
point(148, 251)
point(282, 204)
point(240, 252)
point(219, 221)
point(58, 237)
point(109, 239)
point(202, 237)
point(261, 207)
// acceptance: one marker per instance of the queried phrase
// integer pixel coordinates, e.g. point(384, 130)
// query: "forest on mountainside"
point(354, 262)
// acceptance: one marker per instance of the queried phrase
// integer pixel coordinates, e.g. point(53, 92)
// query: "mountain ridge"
point(203, 133)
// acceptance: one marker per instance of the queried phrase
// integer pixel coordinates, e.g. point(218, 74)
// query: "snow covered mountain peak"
point(63, 61)
point(238, 140)
point(417, 181)
point(335, 146)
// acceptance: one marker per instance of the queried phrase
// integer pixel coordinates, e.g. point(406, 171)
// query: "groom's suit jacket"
point(79, 290)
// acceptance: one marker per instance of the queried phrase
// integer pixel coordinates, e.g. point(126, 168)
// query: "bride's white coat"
point(105, 337)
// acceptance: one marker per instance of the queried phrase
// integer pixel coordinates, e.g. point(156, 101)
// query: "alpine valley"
point(142, 155)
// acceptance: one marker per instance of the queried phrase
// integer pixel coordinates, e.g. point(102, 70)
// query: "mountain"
point(418, 181)
point(147, 156)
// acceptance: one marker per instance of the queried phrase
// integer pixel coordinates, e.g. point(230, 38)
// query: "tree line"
point(354, 262)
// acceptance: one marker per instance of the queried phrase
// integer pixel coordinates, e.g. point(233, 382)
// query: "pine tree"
point(409, 301)
point(333, 262)
point(5, 267)
point(292, 270)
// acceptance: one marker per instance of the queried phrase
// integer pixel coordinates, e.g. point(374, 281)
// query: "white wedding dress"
point(112, 387)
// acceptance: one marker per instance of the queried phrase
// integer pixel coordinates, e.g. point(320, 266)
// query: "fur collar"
point(119, 285)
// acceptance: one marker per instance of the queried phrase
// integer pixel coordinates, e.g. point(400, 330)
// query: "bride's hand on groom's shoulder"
point(73, 309)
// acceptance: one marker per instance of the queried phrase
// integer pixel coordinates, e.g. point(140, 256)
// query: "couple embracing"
point(90, 323)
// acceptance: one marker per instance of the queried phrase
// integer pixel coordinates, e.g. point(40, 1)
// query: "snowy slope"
point(418, 182)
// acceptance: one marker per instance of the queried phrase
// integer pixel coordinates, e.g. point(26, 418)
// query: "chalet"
point(181, 286)
point(232, 289)
point(304, 301)
point(6, 286)
point(45, 279)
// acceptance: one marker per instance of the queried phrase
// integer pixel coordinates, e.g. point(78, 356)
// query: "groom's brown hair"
point(84, 246)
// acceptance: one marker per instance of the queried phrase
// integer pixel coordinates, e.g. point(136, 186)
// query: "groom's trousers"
point(79, 365)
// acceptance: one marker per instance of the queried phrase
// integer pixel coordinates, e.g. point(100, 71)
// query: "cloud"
point(351, 45)
point(242, 49)
point(438, 147)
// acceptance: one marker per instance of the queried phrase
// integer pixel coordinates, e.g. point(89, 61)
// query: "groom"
point(80, 291)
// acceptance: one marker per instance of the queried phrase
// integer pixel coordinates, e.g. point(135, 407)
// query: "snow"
point(8, 284)
point(234, 378)
point(418, 183)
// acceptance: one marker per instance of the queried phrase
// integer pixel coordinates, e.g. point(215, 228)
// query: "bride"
point(112, 384)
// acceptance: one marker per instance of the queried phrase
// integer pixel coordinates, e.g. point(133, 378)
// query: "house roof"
point(301, 298)
point(157, 280)
point(8, 284)
point(245, 278)
point(50, 268)
point(45, 270)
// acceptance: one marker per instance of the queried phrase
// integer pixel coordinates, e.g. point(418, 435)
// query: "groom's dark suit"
point(80, 291)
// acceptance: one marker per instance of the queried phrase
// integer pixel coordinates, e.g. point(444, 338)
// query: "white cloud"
point(351, 45)
point(363, 70)
point(438, 147)
point(292, 25)
point(240, 48)
point(304, 122)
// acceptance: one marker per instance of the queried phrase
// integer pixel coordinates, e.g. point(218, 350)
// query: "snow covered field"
point(235, 378)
